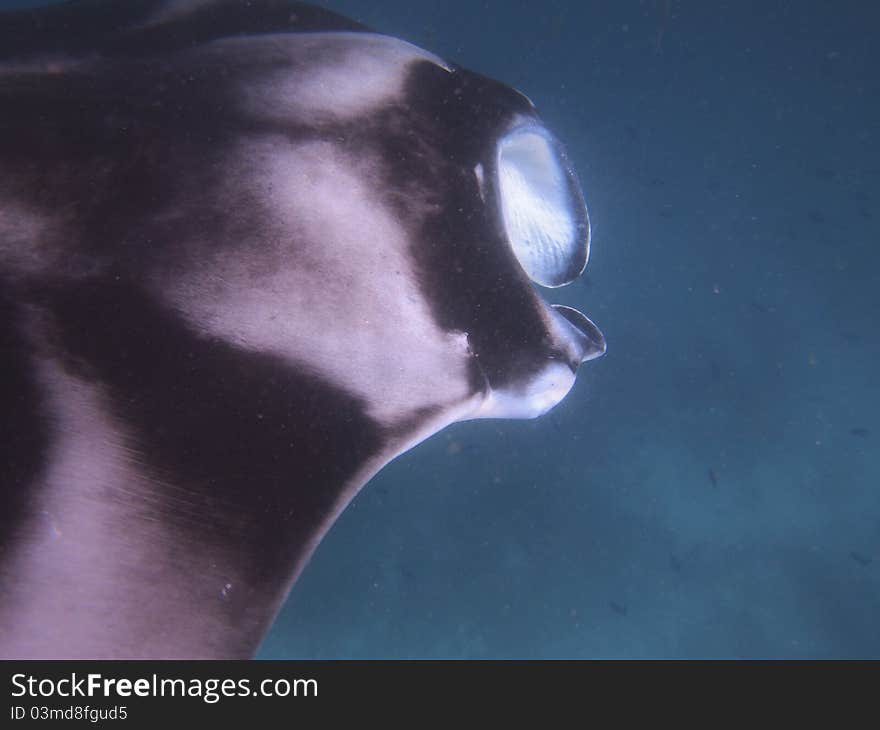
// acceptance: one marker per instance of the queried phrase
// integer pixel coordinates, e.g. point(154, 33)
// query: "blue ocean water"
point(710, 487)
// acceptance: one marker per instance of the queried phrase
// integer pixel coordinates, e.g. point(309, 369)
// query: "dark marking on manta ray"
point(284, 420)
point(212, 246)
point(24, 438)
point(862, 560)
point(124, 29)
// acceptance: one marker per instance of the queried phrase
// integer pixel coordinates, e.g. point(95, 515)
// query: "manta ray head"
point(371, 213)
point(249, 253)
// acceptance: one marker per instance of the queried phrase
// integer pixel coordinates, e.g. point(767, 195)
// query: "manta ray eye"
point(542, 207)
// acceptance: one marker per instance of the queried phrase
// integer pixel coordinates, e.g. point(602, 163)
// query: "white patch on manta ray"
point(48, 65)
point(326, 283)
point(172, 10)
point(531, 399)
point(325, 76)
point(25, 240)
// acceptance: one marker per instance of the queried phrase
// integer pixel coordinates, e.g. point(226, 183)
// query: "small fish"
point(618, 608)
point(860, 432)
point(713, 477)
point(675, 563)
point(862, 560)
point(662, 24)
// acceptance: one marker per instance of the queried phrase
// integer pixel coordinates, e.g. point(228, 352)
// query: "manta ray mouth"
point(575, 340)
point(530, 398)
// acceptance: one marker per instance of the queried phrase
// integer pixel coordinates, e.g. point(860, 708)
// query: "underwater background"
point(709, 488)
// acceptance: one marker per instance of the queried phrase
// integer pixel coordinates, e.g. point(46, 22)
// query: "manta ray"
point(249, 253)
